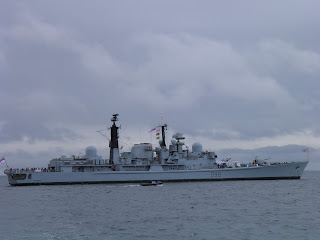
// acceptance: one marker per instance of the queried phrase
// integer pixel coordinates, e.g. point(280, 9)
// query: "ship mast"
point(113, 144)
point(163, 133)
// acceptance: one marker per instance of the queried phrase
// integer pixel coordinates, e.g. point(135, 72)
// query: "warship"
point(146, 163)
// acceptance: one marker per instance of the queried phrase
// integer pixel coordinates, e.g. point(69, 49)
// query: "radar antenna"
point(114, 118)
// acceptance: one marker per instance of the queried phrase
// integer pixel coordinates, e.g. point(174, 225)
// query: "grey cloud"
point(180, 72)
point(216, 70)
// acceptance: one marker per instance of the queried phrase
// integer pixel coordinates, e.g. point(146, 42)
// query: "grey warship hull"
point(271, 172)
point(146, 163)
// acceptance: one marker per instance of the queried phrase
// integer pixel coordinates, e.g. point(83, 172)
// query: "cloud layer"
point(246, 78)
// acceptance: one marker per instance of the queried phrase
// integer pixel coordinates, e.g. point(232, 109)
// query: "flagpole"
point(5, 162)
point(306, 150)
point(161, 118)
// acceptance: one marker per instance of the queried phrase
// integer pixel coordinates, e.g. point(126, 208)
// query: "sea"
point(266, 209)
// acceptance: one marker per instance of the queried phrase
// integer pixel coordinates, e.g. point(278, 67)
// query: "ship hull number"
point(215, 174)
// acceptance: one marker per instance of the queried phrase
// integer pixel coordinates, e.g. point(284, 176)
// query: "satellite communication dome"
point(196, 147)
point(91, 152)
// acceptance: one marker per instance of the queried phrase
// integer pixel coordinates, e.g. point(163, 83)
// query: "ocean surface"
point(277, 209)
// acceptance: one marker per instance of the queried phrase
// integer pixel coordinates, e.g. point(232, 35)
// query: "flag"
point(305, 150)
point(2, 159)
point(226, 160)
point(152, 130)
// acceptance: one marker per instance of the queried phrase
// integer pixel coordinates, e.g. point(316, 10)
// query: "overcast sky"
point(229, 74)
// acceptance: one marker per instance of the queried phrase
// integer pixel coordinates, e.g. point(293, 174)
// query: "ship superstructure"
point(148, 163)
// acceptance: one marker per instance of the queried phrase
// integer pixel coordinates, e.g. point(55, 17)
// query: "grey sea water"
point(284, 209)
